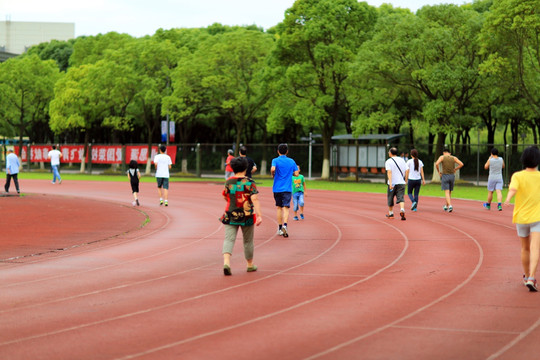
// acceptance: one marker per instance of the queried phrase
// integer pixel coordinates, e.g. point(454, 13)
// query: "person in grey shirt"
point(495, 164)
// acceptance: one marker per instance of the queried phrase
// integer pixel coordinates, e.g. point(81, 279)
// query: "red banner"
point(106, 154)
point(140, 153)
point(101, 154)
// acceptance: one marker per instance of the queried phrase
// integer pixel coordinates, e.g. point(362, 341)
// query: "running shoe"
point(487, 206)
point(166, 203)
point(413, 207)
point(450, 208)
point(296, 218)
point(389, 216)
point(499, 207)
point(227, 270)
point(302, 216)
point(252, 268)
point(160, 202)
point(133, 203)
point(445, 208)
point(137, 201)
point(402, 214)
point(284, 230)
point(531, 284)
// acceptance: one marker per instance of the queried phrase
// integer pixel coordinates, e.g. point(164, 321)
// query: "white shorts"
point(495, 184)
point(524, 230)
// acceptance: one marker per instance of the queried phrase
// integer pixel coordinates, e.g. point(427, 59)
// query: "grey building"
point(17, 36)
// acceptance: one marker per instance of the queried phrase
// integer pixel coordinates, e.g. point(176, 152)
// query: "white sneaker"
point(284, 230)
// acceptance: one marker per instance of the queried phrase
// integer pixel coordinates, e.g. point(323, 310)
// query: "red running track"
point(346, 284)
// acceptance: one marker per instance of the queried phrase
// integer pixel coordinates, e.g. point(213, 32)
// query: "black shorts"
point(398, 191)
point(135, 187)
point(283, 199)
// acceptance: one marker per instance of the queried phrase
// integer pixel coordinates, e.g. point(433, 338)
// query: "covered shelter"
point(365, 154)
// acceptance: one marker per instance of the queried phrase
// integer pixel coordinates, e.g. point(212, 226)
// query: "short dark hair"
point(239, 164)
point(494, 151)
point(393, 151)
point(243, 150)
point(162, 148)
point(54, 147)
point(531, 157)
point(446, 149)
point(133, 164)
point(283, 148)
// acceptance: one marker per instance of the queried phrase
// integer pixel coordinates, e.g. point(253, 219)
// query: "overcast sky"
point(144, 17)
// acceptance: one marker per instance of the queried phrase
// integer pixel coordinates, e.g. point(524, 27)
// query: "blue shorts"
point(495, 184)
point(283, 199)
point(163, 183)
point(524, 230)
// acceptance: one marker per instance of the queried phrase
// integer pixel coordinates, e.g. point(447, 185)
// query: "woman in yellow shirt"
point(525, 185)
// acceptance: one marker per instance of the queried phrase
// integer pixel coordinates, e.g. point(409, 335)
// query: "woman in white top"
point(415, 176)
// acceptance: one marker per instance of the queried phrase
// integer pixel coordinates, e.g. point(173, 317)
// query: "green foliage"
point(26, 88)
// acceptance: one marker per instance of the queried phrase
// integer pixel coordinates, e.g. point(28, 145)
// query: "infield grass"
point(463, 190)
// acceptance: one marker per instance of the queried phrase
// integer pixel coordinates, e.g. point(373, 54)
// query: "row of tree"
point(331, 66)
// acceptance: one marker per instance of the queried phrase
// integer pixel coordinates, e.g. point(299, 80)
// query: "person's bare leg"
point(448, 196)
point(499, 196)
point(165, 194)
point(285, 214)
point(534, 245)
point(525, 255)
point(279, 212)
point(490, 197)
point(227, 259)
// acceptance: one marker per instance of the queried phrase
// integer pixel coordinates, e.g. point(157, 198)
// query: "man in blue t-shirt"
point(283, 168)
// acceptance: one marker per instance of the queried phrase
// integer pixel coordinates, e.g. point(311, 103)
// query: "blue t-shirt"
point(285, 167)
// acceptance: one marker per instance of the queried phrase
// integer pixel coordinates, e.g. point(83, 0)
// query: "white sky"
point(144, 17)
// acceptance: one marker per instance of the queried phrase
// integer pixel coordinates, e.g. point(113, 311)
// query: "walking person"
point(55, 155)
point(415, 178)
point(163, 164)
point(228, 169)
point(282, 170)
point(134, 175)
point(525, 186)
point(448, 177)
point(252, 167)
point(12, 171)
point(243, 210)
point(298, 194)
point(494, 164)
point(395, 168)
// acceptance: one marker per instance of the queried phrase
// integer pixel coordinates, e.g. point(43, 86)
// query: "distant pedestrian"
point(494, 164)
point(134, 175)
point(447, 175)
point(252, 167)
point(415, 178)
point(243, 210)
point(298, 194)
point(525, 186)
point(55, 155)
point(12, 170)
point(228, 169)
point(163, 164)
point(282, 170)
point(395, 168)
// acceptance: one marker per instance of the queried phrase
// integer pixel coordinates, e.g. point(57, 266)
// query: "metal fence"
point(346, 160)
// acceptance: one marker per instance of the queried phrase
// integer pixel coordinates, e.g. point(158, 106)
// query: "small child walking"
point(134, 175)
point(298, 191)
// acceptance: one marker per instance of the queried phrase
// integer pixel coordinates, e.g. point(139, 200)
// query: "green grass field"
point(461, 191)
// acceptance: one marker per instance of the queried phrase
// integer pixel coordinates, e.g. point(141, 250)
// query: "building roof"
point(384, 137)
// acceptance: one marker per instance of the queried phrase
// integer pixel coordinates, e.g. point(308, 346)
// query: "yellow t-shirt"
point(527, 204)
